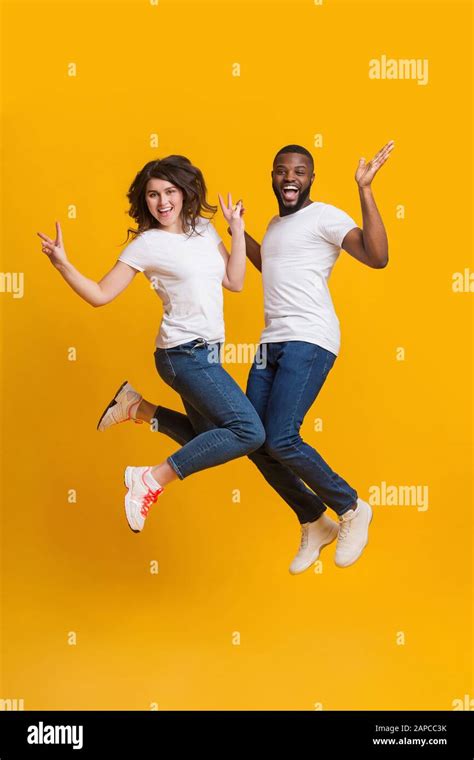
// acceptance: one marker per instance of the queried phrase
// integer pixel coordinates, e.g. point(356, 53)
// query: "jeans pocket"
point(164, 366)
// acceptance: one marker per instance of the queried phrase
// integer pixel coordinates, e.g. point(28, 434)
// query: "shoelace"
point(130, 419)
point(304, 536)
point(149, 499)
point(344, 528)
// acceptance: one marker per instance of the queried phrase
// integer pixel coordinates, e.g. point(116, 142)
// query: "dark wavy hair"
point(180, 172)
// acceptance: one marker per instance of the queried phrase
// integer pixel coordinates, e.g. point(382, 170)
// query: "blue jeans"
point(282, 389)
point(221, 423)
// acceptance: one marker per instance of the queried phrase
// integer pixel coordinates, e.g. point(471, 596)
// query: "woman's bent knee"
point(255, 438)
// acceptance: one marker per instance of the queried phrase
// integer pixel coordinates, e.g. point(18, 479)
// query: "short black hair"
point(295, 149)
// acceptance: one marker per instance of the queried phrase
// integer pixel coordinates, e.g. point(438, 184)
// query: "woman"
point(183, 256)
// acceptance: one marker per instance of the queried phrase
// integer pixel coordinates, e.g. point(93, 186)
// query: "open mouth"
point(290, 192)
point(165, 212)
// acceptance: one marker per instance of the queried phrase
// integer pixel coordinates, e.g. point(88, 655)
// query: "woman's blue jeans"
point(220, 423)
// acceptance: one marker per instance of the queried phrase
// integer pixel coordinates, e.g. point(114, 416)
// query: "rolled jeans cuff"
point(175, 467)
point(349, 506)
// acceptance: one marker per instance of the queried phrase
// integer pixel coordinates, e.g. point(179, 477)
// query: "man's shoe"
point(353, 534)
point(314, 535)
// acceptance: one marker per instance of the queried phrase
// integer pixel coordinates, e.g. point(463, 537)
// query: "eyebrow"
point(298, 166)
point(171, 187)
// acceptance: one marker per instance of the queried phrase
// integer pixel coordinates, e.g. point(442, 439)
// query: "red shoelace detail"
point(149, 499)
point(129, 418)
point(135, 403)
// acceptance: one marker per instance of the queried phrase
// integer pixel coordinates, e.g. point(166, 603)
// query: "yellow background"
point(326, 638)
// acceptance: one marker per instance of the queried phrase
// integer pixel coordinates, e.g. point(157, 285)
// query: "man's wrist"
point(365, 189)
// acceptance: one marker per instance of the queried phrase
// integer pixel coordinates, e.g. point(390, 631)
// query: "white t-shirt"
point(298, 254)
point(186, 273)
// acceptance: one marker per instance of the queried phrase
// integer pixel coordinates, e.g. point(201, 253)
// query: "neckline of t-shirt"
point(175, 234)
point(295, 213)
point(167, 232)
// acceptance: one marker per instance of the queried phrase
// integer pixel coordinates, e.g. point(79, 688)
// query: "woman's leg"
point(176, 425)
point(128, 405)
point(230, 425)
point(196, 374)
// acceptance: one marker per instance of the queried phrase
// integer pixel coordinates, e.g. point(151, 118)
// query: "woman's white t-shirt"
point(298, 253)
point(186, 272)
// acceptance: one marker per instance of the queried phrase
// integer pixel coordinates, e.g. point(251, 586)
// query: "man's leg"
point(306, 504)
point(301, 371)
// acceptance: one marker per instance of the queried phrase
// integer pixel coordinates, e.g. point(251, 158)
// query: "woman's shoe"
point(143, 491)
point(122, 408)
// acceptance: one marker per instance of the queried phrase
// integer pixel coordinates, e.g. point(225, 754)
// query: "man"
point(301, 340)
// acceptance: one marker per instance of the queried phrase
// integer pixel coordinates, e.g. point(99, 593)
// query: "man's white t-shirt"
point(186, 273)
point(298, 254)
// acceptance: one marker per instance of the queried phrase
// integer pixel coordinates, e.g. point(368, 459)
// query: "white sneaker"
point(353, 534)
point(143, 491)
point(314, 535)
point(122, 408)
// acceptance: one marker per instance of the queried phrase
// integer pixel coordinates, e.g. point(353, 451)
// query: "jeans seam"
point(224, 396)
point(291, 423)
point(333, 476)
point(215, 385)
point(165, 355)
point(189, 460)
point(295, 447)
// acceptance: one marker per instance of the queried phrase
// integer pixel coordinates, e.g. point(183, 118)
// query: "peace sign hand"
point(366, 172)
point(54, 249)
point(233, 214)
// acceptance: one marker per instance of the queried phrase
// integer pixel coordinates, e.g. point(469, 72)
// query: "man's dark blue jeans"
point(283, 383)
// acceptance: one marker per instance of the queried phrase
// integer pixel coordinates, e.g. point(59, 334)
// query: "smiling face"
point(292, 177)
point(165, 203)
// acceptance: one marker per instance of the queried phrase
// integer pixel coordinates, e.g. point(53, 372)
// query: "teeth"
point(162, 210)
point(290, 187)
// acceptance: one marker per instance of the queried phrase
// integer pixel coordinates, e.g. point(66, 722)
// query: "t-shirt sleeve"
point(213, 234)
point(135, 254)
point(334, 224)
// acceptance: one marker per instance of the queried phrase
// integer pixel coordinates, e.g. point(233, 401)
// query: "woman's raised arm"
point(94, 293)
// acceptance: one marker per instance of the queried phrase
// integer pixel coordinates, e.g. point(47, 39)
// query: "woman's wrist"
point(63, 266)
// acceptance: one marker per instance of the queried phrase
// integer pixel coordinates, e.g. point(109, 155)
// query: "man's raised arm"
point(369, 244)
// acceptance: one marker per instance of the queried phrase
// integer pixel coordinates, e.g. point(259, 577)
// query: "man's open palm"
point(366, 172)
